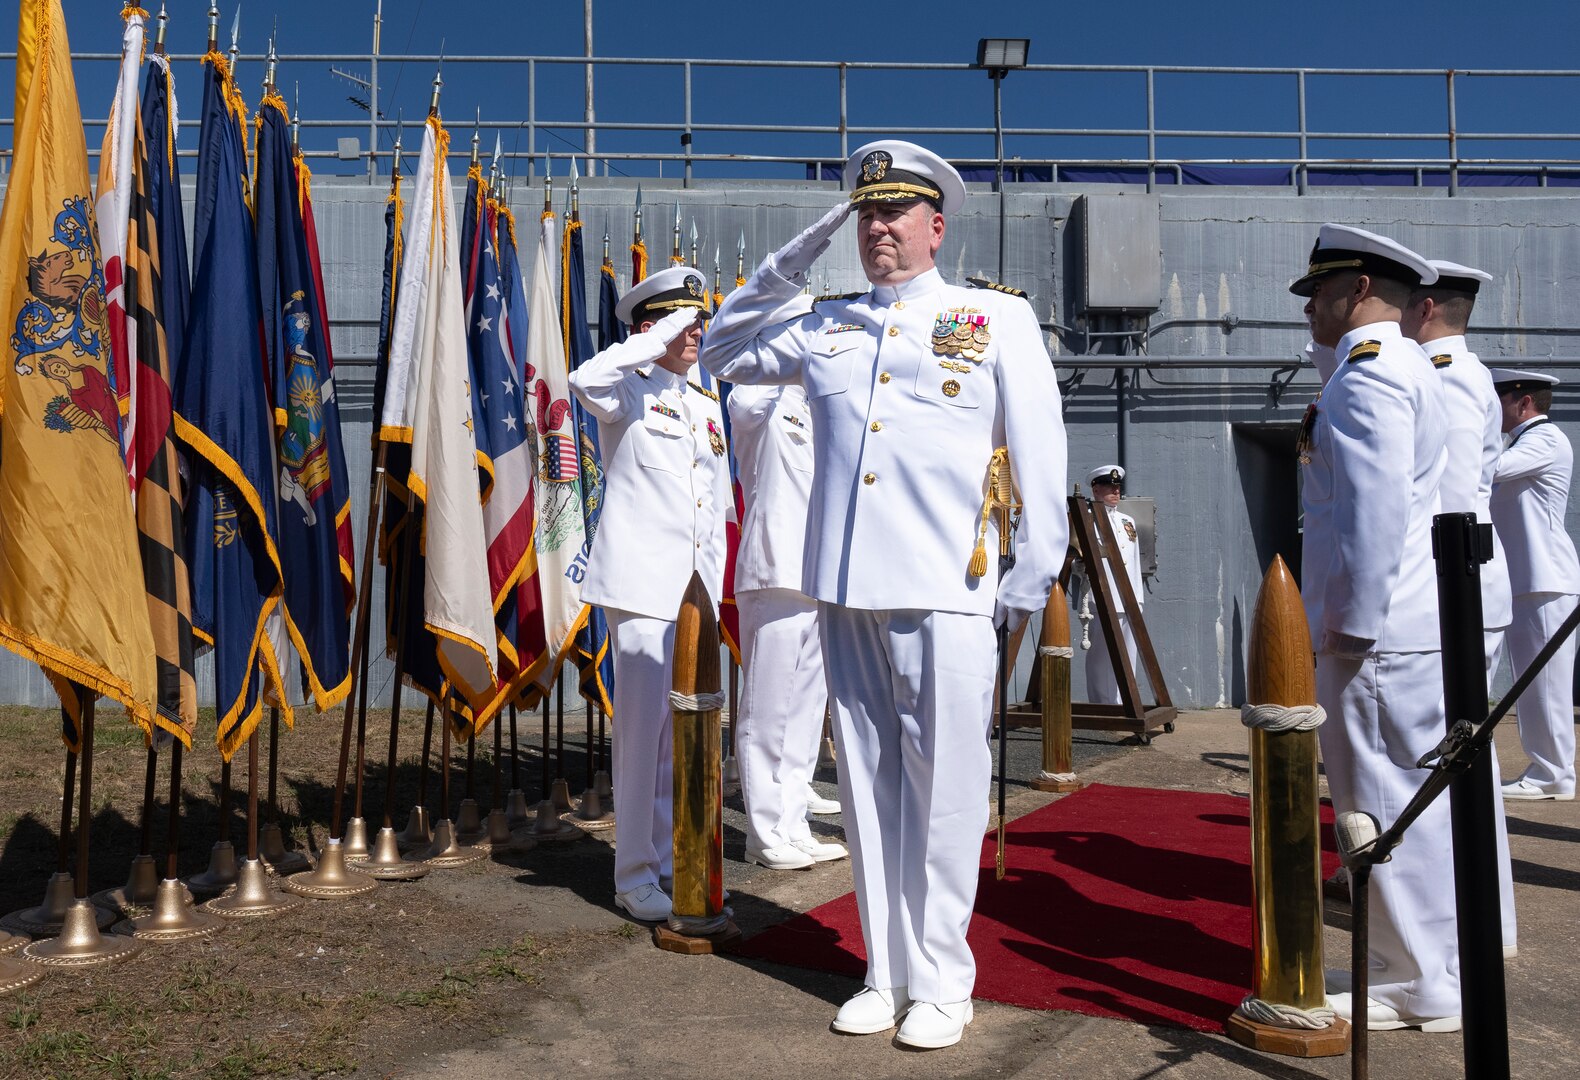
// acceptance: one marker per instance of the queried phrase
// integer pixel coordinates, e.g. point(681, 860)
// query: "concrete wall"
point(1213, 447)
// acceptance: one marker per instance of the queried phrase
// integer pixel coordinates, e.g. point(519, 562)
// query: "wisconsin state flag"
point(71, 583)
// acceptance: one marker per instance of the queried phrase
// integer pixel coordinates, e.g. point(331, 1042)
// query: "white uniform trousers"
point(1384, 713)
point(1102, 682)
point(643, 748)
point(913, 695)
point(1493, 640)
point(781, 723)
point(1546, 709)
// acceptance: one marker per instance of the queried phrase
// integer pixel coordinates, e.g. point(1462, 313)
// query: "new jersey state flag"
point(71, 582)
point(457, 604)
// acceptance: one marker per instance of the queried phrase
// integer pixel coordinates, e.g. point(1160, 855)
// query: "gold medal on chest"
point(961, 332)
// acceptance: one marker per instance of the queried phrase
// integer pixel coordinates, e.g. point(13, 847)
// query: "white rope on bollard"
point(1286, 1016)
point(1063, 777)
point(1282, 718)
point(1056, 650)
point(700, 703)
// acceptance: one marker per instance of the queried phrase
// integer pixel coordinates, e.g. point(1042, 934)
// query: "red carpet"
point(1121, 902)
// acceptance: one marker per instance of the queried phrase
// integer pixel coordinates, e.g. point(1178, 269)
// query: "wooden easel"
point(1091, 532)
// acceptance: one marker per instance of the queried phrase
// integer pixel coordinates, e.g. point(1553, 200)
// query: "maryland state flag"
point(71, 592)
point(127, 212)
point(223, 417)
point(594, 657)
point(312, 485)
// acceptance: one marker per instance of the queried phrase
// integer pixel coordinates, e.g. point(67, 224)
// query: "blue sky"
point(1526, 34)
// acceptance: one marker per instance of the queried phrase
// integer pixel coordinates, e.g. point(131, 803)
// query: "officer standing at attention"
point(1530, 494)
point(1436, 320)
point(782, 698)
point(666, 491)
point(916, 387)
point(1376, 439)
point(1102, 681)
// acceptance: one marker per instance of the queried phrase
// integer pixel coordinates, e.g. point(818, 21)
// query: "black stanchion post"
point(1460, 546)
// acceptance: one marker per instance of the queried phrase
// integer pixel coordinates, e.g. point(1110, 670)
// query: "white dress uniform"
point(783, 693)
point(666, 492)
point(1102, 681)
point(1474, 440)
point(1530, 494)
point(904, 440)
point(1376, 458)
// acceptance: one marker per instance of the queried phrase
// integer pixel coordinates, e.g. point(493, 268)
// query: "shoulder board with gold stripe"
point(1442, 360)
point(704, 391)
point(642, 373)
point(1365, 350)
point(837, 296)
point(984, 283)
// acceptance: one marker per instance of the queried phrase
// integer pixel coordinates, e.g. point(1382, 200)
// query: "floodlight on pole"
point(998, 57)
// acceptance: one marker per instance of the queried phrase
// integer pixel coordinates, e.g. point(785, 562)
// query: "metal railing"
point(824, 137)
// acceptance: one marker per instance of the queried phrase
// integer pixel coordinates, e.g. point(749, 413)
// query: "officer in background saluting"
point(1530, 494)
point(666, 491)
point(1376, 439)
point(914, 386)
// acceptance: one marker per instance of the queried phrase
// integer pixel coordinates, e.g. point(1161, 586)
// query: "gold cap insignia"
point(875, 165)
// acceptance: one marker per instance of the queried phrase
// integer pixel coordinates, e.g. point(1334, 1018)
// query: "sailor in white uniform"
point(666, 493)
point(783, 691)
point(914, 386)
point(1436, 319)
point(1373, 450)
point(1530, 494)
point(1102, 681)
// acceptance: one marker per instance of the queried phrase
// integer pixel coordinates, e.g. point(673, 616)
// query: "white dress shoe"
point(930, 1027)
point(780, 857)
point(816, 804)
point(819, 850)
point(646, 903)
point(1524, 790)
point(1380, 1017)
point(871, 1011)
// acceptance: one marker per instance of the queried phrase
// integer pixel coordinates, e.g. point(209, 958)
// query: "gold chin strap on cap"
point(1002, 497)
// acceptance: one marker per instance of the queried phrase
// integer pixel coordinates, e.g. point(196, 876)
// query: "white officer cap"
point(1344, 247)
point(1460, 278)
point(658, 294)
point(892, 170)
point(1106, 474)
point(1511, 381)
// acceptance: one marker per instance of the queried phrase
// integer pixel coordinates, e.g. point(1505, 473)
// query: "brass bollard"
point(1058, 770)
point(1286, 1011)
point(699, 923)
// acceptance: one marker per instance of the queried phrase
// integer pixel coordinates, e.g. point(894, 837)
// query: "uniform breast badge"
point(663, 410)
point(1308, 424)
point(1130, 530)
point(961, 332)
point(715, 439)
point(951, 388)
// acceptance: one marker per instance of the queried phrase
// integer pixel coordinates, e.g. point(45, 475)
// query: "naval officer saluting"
point(1373, 451)
point(913, 386)
point(666, 491)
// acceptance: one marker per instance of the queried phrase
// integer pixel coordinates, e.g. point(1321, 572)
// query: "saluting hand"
point(674, 324)
point(794, 259)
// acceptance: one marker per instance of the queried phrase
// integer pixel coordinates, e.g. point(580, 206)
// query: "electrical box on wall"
point(1122, 253)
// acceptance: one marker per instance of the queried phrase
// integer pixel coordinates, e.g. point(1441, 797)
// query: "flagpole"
point(446, 851)
point(254, 895)
point(221, 872)
point(516, 812)
point(47, 917)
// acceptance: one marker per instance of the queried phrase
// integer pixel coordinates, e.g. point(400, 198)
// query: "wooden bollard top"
point(1281, 667)
point(1056, 619)
point(696, 642)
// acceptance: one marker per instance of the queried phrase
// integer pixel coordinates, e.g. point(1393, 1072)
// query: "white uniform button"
point(884, 376)
point(870, 479)
point(877, 425)
point(894, 331)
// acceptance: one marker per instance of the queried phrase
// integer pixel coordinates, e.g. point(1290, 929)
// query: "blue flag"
point(593, 655)
point(164, 195)
point(222, 416)
point(311, 477)
point(611, 331)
